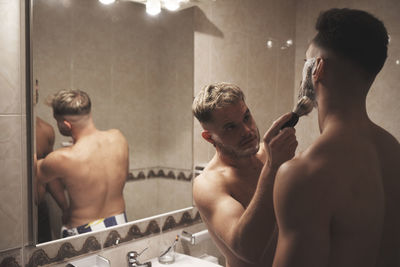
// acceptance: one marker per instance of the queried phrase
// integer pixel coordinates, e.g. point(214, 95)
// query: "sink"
point(90, 261)
point(182, 260)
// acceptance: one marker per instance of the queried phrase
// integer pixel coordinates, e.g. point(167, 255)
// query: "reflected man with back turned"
point(93, 170)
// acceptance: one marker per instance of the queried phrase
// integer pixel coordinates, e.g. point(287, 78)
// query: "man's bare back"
point(94, 172)
point(350, 182)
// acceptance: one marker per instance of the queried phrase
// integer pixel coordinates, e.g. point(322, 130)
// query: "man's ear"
point(207, 136)
point(67, 124)
point(319, 69)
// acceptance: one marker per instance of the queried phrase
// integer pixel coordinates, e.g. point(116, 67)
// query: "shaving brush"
point(303, 107)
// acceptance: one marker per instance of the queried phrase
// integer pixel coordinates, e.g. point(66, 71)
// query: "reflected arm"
point(50, 168)
point(56, 190)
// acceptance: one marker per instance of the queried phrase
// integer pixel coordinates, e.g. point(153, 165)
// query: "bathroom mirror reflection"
point(138, 71)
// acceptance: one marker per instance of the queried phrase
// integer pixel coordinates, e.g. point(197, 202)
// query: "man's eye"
point(230, 127)
point(246, 118)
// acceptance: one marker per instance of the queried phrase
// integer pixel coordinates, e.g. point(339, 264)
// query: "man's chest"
point(244, 186)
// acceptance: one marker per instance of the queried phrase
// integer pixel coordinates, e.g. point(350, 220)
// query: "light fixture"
point(397, 62)
point(153, 7)
point(287, 44)
point(171, 5)
point(107, 2)
point(270, 43)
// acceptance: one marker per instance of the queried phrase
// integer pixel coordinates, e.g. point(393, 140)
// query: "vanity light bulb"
point(289, 42)
point(269, 44)
point(398, 62)
point(107, 2)
point(172, 5)
point(153, 7)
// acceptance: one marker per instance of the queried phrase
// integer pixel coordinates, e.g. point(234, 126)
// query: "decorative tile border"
point(160, 172)
point(9, 262)
point(11, 258)
point(169, 221)
point(134, 232)
point(186, 220)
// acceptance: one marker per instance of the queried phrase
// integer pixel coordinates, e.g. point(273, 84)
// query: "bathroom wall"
point(230, 45)
point(13, 145)
point(137, 69)
point(384, 97)
point(171, 190)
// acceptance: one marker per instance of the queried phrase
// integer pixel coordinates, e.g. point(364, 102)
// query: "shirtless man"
point(93, 169)
point(337, 203)
point(234, 192)
point(44, 145)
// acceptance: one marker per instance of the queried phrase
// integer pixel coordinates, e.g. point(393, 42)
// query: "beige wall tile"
point(11, 207)
point(10, 101)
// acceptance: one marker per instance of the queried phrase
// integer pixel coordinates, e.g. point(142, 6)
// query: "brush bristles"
point(304, 106)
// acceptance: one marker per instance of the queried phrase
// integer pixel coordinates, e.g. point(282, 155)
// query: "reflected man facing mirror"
point(44, 145)
point(93, 169)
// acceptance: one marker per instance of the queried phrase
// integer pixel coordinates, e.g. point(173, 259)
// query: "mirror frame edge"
point(30, 149)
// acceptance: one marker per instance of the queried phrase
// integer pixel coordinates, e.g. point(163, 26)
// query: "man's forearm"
point(56, 189)
point(256, 227)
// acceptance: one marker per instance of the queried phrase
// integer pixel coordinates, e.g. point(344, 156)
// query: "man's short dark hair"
point(355, 35)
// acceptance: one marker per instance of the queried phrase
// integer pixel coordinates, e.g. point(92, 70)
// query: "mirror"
point(138, 71)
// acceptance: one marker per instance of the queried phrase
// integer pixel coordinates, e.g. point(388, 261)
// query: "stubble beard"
point(236, 151)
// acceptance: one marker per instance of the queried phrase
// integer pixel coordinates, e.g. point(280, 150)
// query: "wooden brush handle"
point(292, 122)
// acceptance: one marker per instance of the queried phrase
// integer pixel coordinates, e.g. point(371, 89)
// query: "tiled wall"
point(384, 97)
point(13, 194)
point(230, 45)
point(172, 190)
point(137, 69)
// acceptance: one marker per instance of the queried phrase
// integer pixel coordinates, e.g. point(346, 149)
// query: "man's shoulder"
point(310, 168)
point(210, 184)
point(115, 134)
point(62, 154)
point(209, 177)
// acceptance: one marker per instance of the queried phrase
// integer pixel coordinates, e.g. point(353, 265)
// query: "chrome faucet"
point(133, 261)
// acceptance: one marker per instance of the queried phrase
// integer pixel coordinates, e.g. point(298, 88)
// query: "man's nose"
point(246, 130)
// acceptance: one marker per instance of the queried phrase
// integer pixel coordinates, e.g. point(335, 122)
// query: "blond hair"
point(215, 96)
point(70, 102)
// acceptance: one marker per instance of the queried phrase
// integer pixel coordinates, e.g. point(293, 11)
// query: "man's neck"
point(340, 109)
point(237, 162)
point(79, 133)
